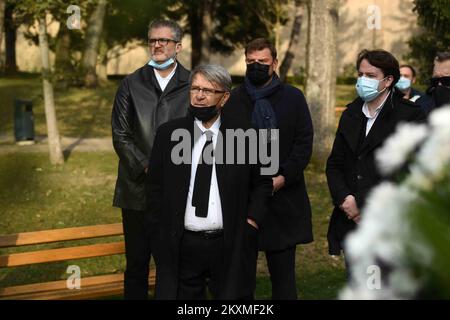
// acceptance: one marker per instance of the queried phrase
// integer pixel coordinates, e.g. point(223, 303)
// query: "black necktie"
point(202, 183)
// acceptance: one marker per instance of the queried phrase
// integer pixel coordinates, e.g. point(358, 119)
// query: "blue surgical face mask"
point(162, 66)
point(403, 84)
point(367, 88)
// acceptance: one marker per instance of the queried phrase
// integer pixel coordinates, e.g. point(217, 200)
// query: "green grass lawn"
point(80, 112)
point(37, 196)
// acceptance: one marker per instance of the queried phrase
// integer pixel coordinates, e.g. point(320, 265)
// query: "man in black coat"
point(150, 96)
point(364, 126)
point(269, 104)
point(439, 90)
point(208, 210)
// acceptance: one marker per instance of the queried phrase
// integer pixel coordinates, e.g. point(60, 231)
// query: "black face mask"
point(203, 113)
point(441, 96)
point(258, 73)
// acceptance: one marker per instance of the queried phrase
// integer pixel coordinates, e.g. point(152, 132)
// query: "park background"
point(317, 44)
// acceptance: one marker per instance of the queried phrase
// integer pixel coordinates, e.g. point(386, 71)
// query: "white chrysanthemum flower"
point(440, 118)
point(434, 155)
point(395, 151)
point(382, 235)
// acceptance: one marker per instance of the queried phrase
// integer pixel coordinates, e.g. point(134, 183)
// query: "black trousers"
point(138, 250)
point(200, 266)
point(281, 265)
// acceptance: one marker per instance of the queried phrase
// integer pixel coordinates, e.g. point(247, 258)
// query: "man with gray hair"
point(150, 96)
point(208, 210)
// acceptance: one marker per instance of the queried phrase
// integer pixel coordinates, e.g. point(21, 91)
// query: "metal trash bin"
point(23, 121)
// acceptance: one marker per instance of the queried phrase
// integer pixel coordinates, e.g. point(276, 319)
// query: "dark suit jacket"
point(351, 167)
point(139, 109)
point(243, 191)
point(289, 220)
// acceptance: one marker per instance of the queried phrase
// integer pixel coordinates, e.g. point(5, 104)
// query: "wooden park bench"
point(91, 287)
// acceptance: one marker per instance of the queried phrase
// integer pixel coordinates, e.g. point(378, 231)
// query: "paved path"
point(7, 145)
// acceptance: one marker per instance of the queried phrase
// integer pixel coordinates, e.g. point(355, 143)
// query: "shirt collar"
point(158, 76)
point(214, 128)
point(365, 108)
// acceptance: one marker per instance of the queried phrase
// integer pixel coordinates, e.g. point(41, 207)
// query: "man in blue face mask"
point(405, 83)
point(152, 95)
point(364, 126)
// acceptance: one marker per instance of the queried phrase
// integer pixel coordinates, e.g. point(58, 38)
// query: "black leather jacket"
point(139, 109)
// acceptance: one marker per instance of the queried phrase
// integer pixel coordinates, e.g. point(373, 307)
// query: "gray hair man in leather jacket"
point(150, 96)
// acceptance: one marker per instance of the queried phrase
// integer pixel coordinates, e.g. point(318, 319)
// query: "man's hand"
point(350, 207)
point(357, 219)
point(253, 223)
point(146, 170)
point(278, 183)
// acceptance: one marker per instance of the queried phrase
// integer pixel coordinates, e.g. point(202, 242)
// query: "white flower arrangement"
point(401, 248)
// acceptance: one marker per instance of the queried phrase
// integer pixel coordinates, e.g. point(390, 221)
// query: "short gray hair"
point(214, 73)
point(176, 29)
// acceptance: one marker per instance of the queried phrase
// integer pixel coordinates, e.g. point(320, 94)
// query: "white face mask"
point(367, 88)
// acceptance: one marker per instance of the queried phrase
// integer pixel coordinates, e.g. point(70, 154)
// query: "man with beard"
point(147, 98)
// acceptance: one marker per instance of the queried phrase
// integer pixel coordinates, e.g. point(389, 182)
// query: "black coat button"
point(360, 177)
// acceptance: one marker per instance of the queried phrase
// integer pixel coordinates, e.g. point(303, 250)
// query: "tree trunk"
point(2, 21)
point(293, 41)
point(196, 24)
point(54, 143)
point(321, 72)
point(10, 40)
point(63, 64)
point(93, 33)
point(103, 58)
point(207, 30)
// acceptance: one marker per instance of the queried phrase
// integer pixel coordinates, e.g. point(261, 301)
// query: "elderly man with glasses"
point(145, 99)
point(208, 211)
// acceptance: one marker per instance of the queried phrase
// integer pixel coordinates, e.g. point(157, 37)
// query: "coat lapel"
point(352, 124)
point(381, 129)
point(180, 78)
point(221, 168)
point(183, 174)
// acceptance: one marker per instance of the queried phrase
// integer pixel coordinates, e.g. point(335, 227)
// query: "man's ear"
point(178, 47)
point(225, 98)
point(389, 80)
point(275, 64)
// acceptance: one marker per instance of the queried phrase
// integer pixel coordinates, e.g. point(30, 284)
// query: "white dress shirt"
point(213, 220)
point(163, 82)
point(371, 118)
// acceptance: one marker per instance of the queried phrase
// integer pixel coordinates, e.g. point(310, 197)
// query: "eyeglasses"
point(206, 91)
point(445, 81)
point(161, 41)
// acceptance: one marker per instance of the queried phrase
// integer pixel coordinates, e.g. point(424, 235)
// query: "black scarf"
point(263, 116)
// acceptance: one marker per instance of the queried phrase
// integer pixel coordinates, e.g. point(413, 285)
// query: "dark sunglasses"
point(445, 81)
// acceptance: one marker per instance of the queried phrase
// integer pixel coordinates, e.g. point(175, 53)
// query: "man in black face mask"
point(269, 104)
point(440, 82)
point(208, 211)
